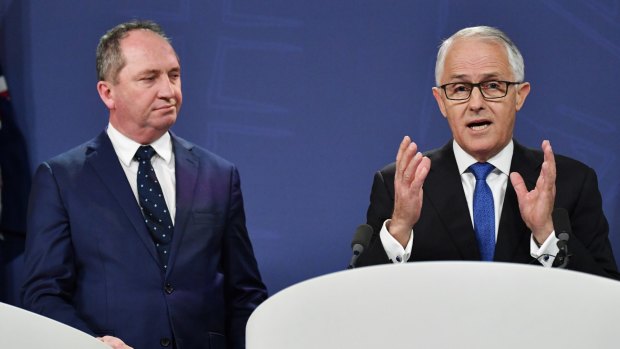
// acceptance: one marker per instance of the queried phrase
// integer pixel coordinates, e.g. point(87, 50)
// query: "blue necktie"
point(154, 209)
point(484, 212)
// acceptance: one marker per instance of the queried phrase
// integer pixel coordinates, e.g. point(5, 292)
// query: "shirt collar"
point(501, 160)
point(126, 148)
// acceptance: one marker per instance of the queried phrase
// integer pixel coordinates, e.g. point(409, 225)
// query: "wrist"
point(400, 231)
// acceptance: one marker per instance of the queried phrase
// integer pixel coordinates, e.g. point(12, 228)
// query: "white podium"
point(21, 329)
point(442, 305)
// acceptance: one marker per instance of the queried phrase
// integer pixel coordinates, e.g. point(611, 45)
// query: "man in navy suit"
point(423, 207)
point(95, 261)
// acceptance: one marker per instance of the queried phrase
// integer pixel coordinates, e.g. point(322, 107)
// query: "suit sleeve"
point(380, 209)
point(244, 288)
point(589, 246)
point(49, 268)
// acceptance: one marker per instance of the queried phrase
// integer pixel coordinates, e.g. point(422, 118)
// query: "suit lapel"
point(102, 157)
point(513, 238)
point(443, 190)
point(186, 173)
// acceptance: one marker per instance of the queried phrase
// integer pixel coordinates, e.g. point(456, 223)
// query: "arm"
point(536, 205)
point(399, 198)
point(589, 247)
point(49, 266)
point(411, 170)
point(244, 287)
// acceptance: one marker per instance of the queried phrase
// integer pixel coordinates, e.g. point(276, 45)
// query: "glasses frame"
point(508, 83)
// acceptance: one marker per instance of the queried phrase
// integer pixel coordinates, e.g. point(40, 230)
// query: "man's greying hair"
point(486, 33)
point(110, 59)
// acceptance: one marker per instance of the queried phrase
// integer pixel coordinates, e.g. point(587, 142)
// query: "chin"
point(481, 151)
point(168, 120)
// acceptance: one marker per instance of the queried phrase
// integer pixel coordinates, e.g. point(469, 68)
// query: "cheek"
point(455, 125)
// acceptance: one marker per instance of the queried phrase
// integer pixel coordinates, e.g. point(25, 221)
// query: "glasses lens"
point(460, 90)
point(494, 89)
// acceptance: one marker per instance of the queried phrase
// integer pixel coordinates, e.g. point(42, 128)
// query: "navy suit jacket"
point(91, 263)
point(445, 231)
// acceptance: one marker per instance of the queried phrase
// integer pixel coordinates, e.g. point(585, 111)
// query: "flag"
point(14, 168)
point(14, 191)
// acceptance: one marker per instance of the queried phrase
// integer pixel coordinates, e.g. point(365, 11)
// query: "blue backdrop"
point(310, 98)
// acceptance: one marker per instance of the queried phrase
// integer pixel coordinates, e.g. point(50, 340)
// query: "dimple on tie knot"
point(145, 152)
point(481, 170)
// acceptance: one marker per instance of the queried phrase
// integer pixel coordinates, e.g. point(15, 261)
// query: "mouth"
point(479, 125)
point(166, 107)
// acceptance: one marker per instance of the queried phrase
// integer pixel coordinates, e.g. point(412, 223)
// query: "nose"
point(476, 100)
point(166, 88)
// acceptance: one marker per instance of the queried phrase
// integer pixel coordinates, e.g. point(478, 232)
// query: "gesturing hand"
point(536, 206)
point(411, 171)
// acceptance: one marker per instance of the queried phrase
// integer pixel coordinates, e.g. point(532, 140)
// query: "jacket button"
point(165, 342)
point(168, 289)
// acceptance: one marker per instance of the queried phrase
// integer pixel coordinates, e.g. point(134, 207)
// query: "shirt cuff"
point(546, 253)
point(395, 251)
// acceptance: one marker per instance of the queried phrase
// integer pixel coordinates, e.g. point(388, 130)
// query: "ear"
point(523, 90)
point(105, 93)
point(440, 101)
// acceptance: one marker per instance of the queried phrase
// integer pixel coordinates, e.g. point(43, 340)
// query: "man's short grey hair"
point(486, 33)
point(110, 58)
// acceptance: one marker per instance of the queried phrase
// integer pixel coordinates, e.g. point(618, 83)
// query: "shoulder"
point(78, 154)
point(185, 148)
point(563, 163)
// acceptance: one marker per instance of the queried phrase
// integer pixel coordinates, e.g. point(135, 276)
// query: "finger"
point(402, 149)
point(422, 170)
point(549, 159)
point(411, 169)
point(404, 172)
point(519, 185)
point(113, 342)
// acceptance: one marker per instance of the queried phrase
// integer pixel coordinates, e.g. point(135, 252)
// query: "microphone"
point(561, 225)
point(360, 242)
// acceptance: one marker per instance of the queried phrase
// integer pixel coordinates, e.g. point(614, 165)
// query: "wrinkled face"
point(482, 127)
point(146, 98)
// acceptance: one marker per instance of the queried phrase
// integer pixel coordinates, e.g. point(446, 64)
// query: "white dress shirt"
point(163, 164)
point(497, 181)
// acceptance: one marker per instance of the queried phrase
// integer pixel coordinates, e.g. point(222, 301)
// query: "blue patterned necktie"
point(154, 209)
point(484, 212)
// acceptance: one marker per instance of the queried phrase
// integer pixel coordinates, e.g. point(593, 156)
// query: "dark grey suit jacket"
point(445, 232)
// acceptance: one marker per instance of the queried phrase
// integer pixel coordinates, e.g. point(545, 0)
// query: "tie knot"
point(145, 152)
point(481, 170)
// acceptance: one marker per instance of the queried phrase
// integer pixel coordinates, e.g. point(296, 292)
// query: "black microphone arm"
point(360, 242)
point(561, 225)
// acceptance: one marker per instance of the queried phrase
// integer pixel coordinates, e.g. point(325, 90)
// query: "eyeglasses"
point(459, 91)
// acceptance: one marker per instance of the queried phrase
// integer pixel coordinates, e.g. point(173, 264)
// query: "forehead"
point(474, 59)
point(143, 47)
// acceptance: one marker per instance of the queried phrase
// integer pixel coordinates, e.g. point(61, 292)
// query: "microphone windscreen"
point(362, 236)
point(561, 223)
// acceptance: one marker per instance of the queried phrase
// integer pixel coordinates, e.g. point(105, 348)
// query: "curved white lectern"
point(21, 329)
point(441, 305)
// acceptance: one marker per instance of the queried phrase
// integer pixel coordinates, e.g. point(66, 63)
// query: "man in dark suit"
point(152, 253)
point(450, 211)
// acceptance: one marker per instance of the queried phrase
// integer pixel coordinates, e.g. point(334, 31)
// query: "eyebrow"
point(157, 71)
point(148, 72)
point(465, 77)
